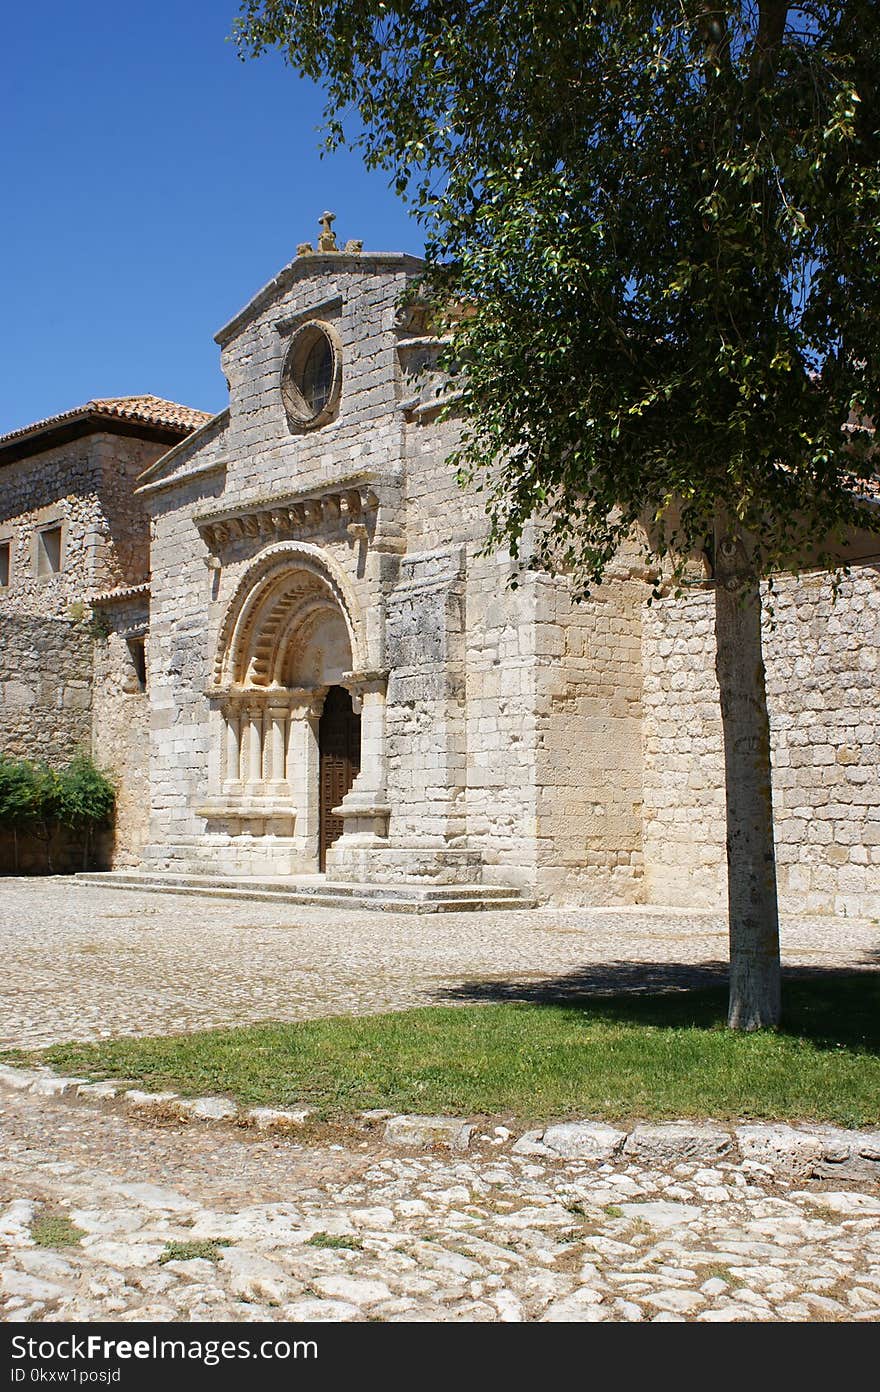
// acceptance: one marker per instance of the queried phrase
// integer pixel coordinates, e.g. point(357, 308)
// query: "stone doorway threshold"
point(318, 891)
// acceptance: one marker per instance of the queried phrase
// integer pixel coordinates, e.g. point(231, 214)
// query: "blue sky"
point(152, 183)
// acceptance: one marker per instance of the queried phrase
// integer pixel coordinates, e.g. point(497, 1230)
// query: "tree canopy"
point(666, 220)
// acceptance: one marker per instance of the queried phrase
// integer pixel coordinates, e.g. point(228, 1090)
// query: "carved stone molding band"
point(277, 521)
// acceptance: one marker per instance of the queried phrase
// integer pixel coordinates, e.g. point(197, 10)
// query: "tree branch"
point(772, 19)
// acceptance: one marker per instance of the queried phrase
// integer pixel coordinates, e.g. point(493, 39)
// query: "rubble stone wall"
point(59, 693)
point(45, 687)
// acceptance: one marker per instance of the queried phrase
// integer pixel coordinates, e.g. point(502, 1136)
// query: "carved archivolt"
point(288, 586)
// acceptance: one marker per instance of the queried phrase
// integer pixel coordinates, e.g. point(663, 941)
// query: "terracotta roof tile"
point(123, 592)
point(154, 410)
point(148, 410)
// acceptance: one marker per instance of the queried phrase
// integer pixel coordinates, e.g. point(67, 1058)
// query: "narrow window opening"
point(5, 552)
point(138, 654)
point(49, 551)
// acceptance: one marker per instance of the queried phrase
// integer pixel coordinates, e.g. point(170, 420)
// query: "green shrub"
point(204, 1249)
point(19, 793)
point(36, 799)
point(84, 795)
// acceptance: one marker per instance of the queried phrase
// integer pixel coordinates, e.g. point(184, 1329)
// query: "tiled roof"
point(125, 592)
point(154, 410)
point(144, 410)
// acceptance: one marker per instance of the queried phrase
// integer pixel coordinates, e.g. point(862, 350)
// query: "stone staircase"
point(315, 890)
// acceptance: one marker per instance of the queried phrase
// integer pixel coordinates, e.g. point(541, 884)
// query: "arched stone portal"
point(288, 676)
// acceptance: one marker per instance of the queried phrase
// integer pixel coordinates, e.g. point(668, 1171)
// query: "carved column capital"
point(366, 683)
point(306, 702)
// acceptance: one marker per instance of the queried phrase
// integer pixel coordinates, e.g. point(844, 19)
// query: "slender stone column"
point(303, 763)
point(255, 749)
point(232, 752)
point(216, 749)
point(275, 739)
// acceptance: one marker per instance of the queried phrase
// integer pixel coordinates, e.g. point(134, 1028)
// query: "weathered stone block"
point(583, 1140)
point(427, 1131)
point(781, 1148)
point(671, 1141)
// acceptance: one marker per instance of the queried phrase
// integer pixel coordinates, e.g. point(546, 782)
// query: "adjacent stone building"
point(342, 683)
point(72, 529)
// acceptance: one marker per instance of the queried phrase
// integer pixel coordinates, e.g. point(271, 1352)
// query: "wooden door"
point(339, 742)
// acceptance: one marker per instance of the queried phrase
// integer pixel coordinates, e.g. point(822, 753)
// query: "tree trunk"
point(751, 859)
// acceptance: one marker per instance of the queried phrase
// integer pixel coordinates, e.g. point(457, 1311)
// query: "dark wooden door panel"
point(339, 741)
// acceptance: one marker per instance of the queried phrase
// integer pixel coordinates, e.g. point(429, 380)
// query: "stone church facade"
point(341, 682)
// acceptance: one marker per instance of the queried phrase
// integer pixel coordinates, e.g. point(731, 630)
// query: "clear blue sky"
point(151, 184)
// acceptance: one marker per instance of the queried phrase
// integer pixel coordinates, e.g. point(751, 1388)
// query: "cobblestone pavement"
point(351, 1231)
point(350, 1228)
point(83, 962)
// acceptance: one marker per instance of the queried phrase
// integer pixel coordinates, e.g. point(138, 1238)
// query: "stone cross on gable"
point(327, 239)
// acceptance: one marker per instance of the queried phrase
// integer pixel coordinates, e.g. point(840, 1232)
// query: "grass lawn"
point(619, 1057)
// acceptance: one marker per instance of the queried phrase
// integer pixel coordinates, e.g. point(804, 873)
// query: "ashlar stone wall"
point(258, 458)
point(491, 674)
point(552, 711)
point(183, 598)
point(435, 614)
point(573, 749)
point(357, 298)
point(823, 692)
point(589, 749)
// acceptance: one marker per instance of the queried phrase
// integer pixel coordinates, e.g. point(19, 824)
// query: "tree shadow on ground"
point(830, 1007)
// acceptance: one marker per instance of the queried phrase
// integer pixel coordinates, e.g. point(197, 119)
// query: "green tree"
point(665, 221)
point(18, 799)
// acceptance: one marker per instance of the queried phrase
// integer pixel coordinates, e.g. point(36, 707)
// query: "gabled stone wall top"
point(307, 266)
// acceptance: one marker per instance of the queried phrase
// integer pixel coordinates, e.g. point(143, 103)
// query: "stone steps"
point(320, 893)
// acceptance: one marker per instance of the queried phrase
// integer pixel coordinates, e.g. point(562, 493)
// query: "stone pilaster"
point(364, 809)
point(303, 764)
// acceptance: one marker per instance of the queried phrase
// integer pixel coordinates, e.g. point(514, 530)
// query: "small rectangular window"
point(49, 551)
point(138, 661)
point(5, 556)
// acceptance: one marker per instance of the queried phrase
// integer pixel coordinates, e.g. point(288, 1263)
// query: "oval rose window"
point(311, 378)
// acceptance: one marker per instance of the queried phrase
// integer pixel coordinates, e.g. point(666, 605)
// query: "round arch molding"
point(287, 580)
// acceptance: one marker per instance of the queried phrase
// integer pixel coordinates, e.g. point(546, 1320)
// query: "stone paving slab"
point(82, 962)
point(349, 1231)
